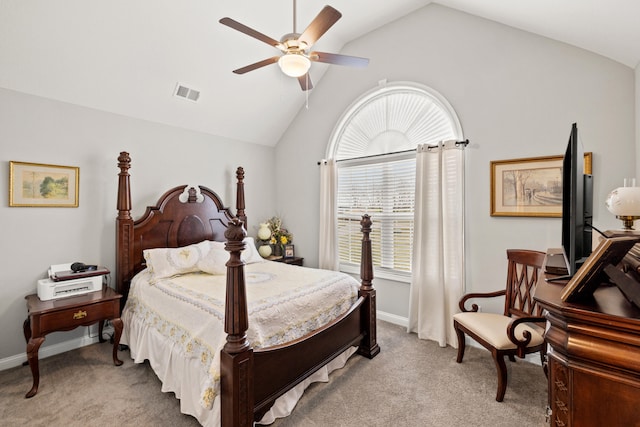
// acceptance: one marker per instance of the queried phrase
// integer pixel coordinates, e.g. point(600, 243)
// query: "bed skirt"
point(179, 373)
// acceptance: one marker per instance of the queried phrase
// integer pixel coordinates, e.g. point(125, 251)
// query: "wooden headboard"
point(183, 215)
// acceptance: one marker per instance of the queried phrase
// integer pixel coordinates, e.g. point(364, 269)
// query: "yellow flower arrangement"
point(279, 234)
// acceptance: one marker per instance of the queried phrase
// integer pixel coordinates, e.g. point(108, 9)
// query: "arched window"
point(374, 145)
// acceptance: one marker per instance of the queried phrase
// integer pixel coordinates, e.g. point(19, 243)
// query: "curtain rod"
point(457, 143)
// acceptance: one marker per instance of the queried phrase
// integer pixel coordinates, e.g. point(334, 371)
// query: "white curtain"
point(328, 247)
point(437, 281)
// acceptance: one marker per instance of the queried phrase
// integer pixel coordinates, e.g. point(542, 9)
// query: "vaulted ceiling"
point(128, 56)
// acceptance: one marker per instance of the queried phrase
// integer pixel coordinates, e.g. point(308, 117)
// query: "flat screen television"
point(577, 205)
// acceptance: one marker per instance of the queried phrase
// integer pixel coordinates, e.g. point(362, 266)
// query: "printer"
point(64, 282)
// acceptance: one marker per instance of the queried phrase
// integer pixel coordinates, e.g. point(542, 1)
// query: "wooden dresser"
point(593, 359)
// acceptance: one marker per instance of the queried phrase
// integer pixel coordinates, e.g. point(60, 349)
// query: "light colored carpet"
point(410, 383)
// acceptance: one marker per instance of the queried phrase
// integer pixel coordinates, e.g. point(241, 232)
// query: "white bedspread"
point(178, 323)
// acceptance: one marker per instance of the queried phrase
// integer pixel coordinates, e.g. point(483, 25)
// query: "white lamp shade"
point(624, 201)
point(294, 64)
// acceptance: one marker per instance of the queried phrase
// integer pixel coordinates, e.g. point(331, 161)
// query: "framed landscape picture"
point(42, 185)
point(529, 186)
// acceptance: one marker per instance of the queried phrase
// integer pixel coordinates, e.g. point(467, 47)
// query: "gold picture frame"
point(43, 185)
point(540, 195)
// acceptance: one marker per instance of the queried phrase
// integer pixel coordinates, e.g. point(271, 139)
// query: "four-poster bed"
point(250, 379)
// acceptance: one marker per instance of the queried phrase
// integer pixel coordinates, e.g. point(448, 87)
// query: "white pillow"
point(215, 261)
point(250, 253)
point(167, 262)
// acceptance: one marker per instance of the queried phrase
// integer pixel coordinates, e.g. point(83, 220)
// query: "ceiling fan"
point(296, 56)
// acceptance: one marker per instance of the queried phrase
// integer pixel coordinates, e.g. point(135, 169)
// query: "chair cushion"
point(492, 328)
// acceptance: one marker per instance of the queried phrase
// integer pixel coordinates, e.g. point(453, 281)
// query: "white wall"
point(637, 92)
point(38, 130)
point(516, 94)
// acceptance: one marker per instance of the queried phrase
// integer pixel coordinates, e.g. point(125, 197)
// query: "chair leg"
point(502, 376)
point(460, 335)
point(512, 358)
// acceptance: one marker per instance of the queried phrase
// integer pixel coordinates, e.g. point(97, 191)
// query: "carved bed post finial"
point(236, 320)
point(236, 358)
point(366, 263)
point(369, 345)
point(240, 213)
point(124, 191)
point(124, 229)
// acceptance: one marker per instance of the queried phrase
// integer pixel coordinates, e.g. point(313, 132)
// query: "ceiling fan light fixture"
point(295, 57)
point(294, 64)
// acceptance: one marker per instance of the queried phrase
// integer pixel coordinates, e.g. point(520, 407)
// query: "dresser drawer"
point(72, 317)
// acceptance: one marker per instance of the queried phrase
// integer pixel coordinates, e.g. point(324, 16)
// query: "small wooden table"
point(290, 260)
point(65, 314)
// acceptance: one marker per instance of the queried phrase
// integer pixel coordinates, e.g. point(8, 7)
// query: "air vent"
point(185, 92)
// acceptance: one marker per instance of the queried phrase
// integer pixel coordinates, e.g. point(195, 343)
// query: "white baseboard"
point(106, 330)
point(392, 318)
point(19, 359)
point(403, 321)
point(50, 350)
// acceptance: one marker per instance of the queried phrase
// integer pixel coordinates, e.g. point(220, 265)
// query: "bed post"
point(369, 345)
point(240, 213)
point(124, 227)
point(236, 358)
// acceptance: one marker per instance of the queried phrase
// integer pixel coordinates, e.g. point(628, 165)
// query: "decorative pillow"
point(167, 262)
point(214, 262)
point(250, 253)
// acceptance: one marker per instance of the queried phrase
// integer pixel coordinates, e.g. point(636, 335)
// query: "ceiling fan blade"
point(321, 23)
point(249, 31)
point(305, 82)
point(257, 65)
point(334, 58)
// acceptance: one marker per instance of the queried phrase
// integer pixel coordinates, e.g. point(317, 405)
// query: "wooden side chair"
point(517, 332)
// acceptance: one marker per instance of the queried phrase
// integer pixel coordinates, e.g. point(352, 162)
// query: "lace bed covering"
point(284, 303)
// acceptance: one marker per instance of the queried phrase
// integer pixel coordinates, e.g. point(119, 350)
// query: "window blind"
point(384, 189)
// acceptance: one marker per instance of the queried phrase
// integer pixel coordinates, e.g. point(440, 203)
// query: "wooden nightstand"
point(65, 314)
point(292, 260)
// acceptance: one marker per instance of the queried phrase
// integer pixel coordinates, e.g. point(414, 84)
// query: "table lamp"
point(624, 203)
